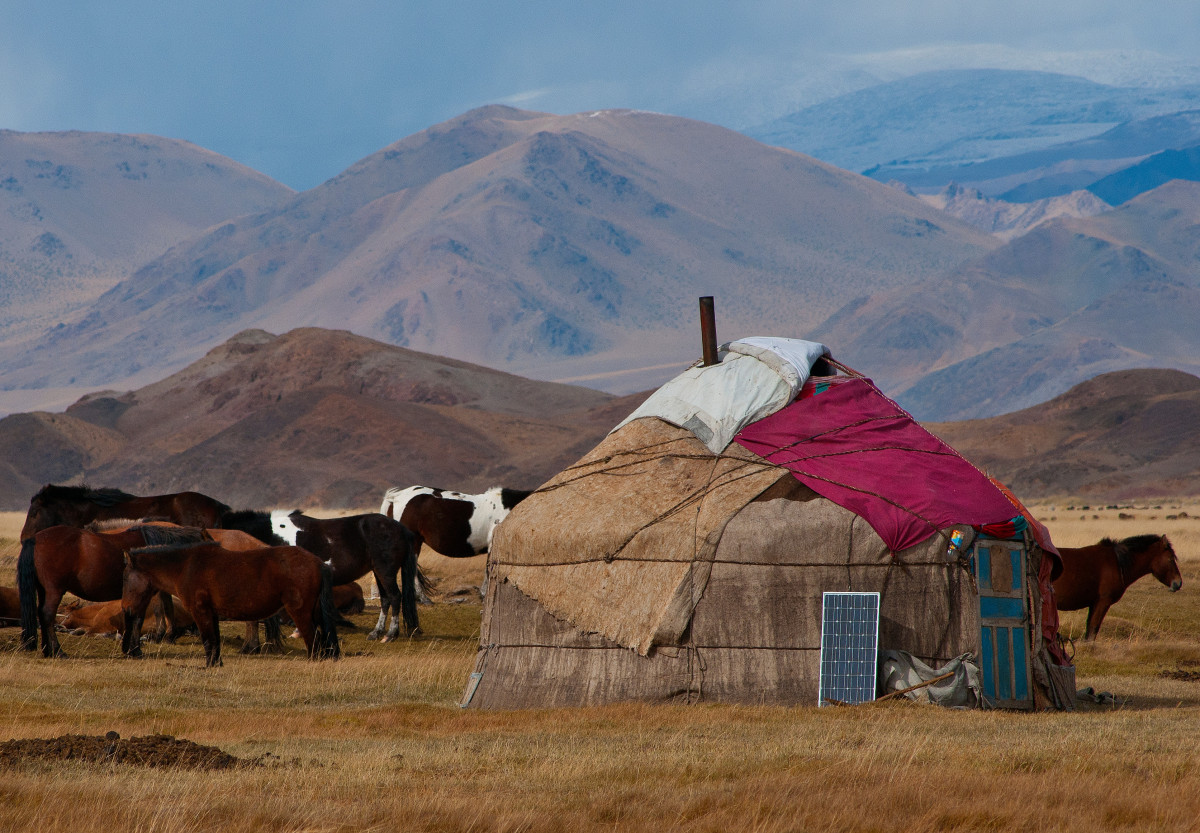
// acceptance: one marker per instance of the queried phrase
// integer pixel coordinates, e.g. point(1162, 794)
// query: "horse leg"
point(1095, 617)
point(48, 614)
point(250, 644)
point(169, 630)
point(389, 603)
point(302, 615)
point(383, 606)
point(210, 634)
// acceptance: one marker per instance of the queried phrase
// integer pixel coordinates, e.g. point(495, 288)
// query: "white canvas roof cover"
point(754, 377)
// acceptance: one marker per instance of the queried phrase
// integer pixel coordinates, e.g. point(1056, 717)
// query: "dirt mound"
point(151, 750)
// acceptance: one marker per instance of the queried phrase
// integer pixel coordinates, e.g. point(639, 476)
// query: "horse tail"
point(31, 593)
point(410, 572)
point(272, 632)
point(325, 616)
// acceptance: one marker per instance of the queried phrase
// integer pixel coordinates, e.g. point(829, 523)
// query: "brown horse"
point(214, 582)
point(80, 505)
point(64, 559)
point(1096, 577)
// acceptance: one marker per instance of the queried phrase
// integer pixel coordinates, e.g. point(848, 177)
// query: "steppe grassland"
point(375, 742)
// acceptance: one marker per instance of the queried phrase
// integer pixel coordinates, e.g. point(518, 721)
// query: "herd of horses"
point(105, 545)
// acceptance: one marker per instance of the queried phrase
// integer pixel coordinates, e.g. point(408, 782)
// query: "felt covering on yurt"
point(625, 568)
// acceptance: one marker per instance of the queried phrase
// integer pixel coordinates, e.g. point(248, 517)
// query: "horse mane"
point(511, 497)
point(174, 551)
point(253, 522)
point(110, 524)
point(101, 497)
point(1129, 548)
point(172, 535)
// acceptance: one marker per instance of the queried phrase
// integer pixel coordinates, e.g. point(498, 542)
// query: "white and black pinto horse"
point(358, 544)
point(454, 524)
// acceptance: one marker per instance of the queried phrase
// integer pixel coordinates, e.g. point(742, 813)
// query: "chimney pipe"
point(708, 330)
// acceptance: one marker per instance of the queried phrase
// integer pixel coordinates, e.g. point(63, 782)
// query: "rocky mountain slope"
point(309, 418)
point(1121, 436)
point(1071, 299)
point(80, 212)
point(1008, 220)
point(560, 247)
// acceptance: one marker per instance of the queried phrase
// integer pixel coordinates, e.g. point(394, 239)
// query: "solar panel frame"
point(849, 647)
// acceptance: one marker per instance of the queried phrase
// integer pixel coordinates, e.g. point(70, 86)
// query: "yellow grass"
point(375, 742)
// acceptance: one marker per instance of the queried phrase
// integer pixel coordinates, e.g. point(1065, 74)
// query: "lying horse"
point(454, 524)
point(64, 559)
point(80, 505)
point(1096, 577)
point(107, 619)
point(358, 544)
point(214, 582)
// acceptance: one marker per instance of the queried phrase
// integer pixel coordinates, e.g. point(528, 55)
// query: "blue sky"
point(300, 90)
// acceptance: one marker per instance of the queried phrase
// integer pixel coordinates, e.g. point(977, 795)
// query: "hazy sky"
point(300, 90)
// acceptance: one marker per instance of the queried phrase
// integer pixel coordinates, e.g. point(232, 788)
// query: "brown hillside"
point(1120, 436)
point(312, 417)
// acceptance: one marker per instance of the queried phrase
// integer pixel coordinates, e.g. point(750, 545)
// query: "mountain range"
point(310, 418)
point(572, 248)
point(1073, 298)
point(554, 246)
point(1016, 135)
point(324, 418)
point(1122, 436)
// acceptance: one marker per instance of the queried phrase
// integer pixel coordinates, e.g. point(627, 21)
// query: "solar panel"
point(849, 647)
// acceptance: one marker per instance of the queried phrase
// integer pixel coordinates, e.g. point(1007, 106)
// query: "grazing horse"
point(212, 582)
point(358, 544)
point(64, 559)
point(80, 505)
point(1096, 577)
point(457, 525)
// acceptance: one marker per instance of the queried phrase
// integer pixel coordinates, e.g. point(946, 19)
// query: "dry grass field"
point(375, 741)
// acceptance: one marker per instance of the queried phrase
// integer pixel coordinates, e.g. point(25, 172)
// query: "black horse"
point(356, 545)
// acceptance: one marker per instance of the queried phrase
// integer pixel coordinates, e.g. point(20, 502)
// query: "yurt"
point(692, 555)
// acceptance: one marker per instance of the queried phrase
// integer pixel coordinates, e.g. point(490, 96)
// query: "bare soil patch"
point(150, 751)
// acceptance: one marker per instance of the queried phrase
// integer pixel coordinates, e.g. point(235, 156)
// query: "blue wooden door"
point(1004, 622)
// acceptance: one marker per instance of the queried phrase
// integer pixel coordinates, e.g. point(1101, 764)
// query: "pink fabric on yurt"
point(851, 444)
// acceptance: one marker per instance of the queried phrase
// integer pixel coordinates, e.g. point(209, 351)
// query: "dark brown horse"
point(80, 505)
point(356, 545)
point(214, 582)
point(1096, 577)
point(64, 559)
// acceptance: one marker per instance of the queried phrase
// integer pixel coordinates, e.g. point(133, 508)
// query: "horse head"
point(285, 525)
point(1165, 566)
point(41, 515)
